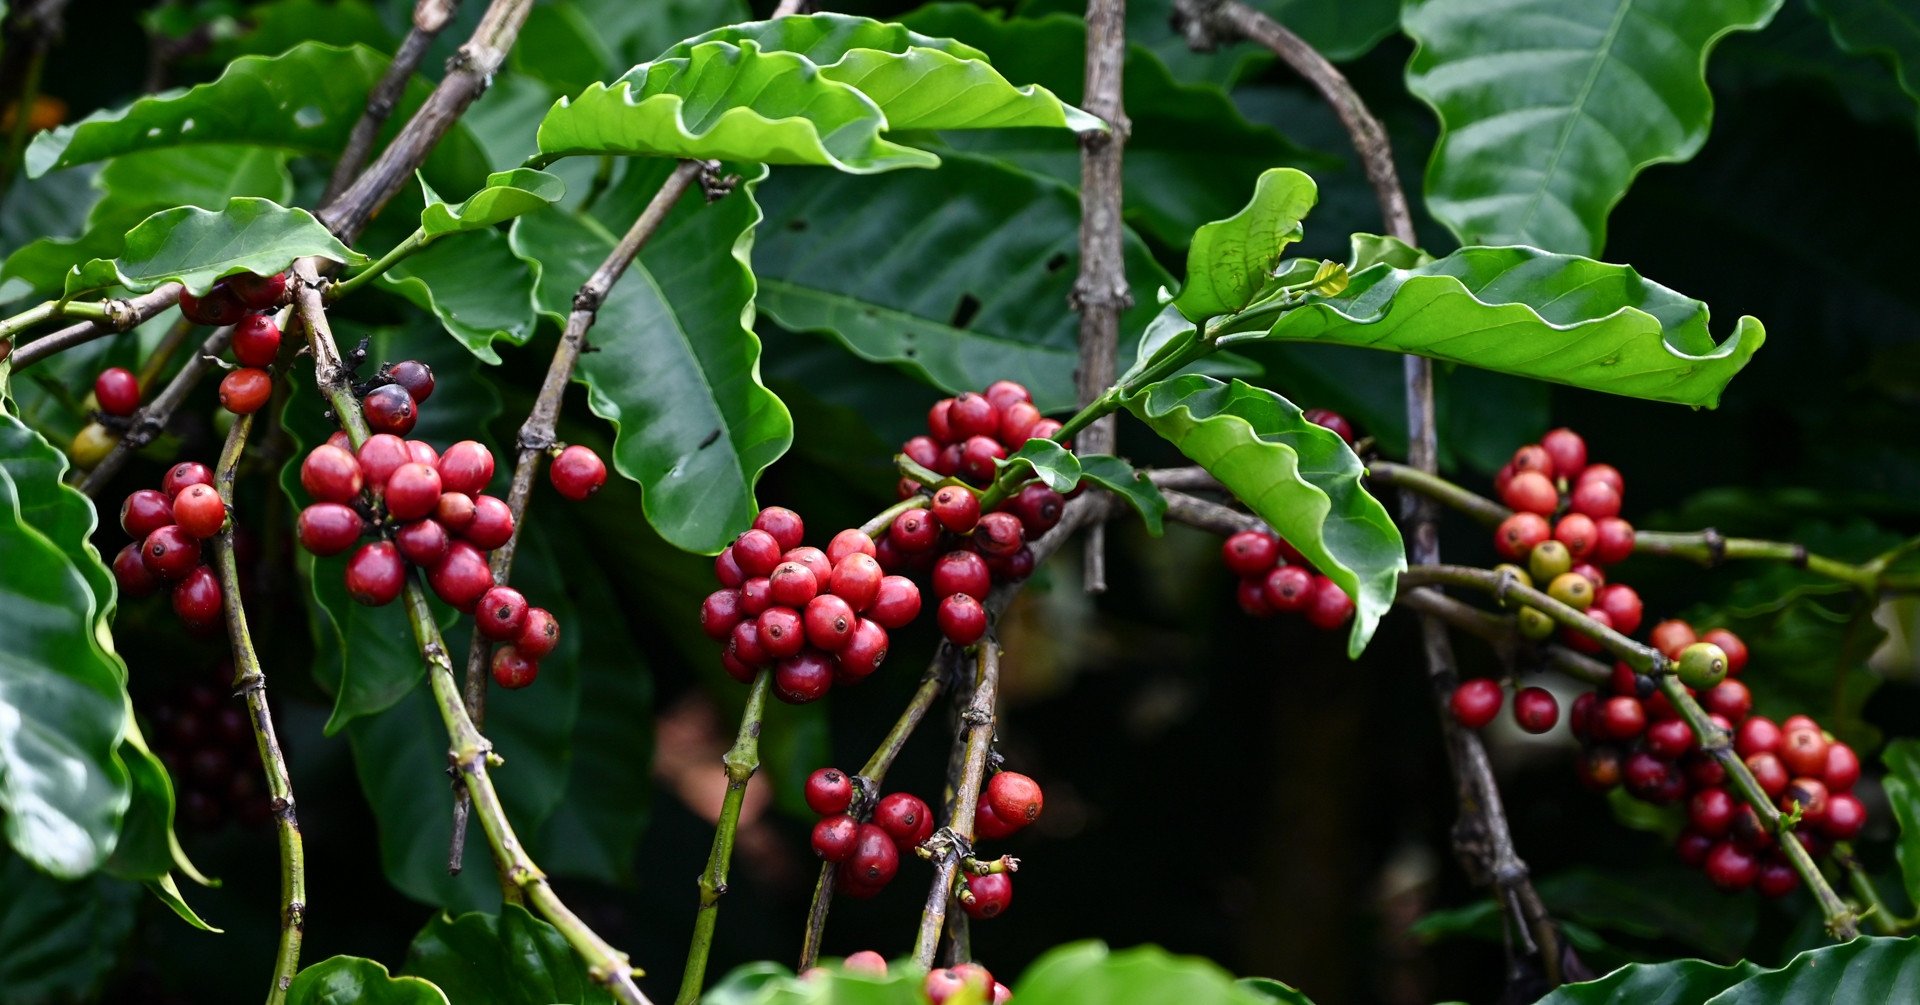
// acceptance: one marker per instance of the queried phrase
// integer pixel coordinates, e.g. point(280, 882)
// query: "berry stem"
point(250, 683)
point(956, 839)
point(877, 526)
point(1884, 922)
point(398, 253)
point(741, 761)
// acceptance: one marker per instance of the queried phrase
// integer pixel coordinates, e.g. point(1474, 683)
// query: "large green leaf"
point(511, 958)
point(305, 99)
point(1230, 260)
point(474, 285)
point(1522, 311)
point(961, 297)
point(63, 708)
point(59, 940)
point(1299, 477)
point(728, 103)
point(1902, 758)
point(569, 44)
point(1679, 982)
point(677, 366)
point(507, 194)
point(1549, 108)
point(1090, 972)
point(351, 980)
point(196, 247)
point(1885, 28)
point(1866, 969)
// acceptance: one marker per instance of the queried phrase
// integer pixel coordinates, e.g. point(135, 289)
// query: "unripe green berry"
point(1572, 589)
point(1549, 560)
point(1535, 624)
point(1702, 665)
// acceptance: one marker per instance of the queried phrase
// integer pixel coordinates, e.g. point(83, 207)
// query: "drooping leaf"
point(1299, 477)
point(1902, 758)
point(59, 940)
point(511, 958)
point(1006, 244)
point(508, 194)
point(1090, 972)
point(1549, 108)
point(1119, 477)
point(1883, 28)
point(1055, 466)
point(352, 980)
point(1230, 260)
point(167, 890)
point(195, 247)
point(1867, 969)
point(1559, 318)
point(725, 102)
point(1678, 982)
point(305, 99)
point(678, 371)
point(1373, 249)
point(474, 285)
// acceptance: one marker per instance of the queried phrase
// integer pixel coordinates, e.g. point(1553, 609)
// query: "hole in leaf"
point(964, 311)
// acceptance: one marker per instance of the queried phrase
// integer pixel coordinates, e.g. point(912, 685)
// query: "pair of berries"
point(1276, 579)
point(1008, 803)
point(392, 404)
point(818, 618)
point(1476, 702)
point(1589, 525)
point(203, 737)
point(969, 434)
point(169, 527)
point(426, 509)
point(868, 853)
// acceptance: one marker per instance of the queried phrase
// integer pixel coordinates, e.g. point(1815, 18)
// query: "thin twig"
point(470, 752)
point(1100, 292)
point(955, 841)
point(123, 317)
point(250, 683)
point(741, 761)
point(429, 16)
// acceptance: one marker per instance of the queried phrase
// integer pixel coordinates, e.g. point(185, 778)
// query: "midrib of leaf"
point(1578, 110)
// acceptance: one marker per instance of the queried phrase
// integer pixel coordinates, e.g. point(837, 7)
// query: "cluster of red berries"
point(942, 984)
point(428, 509)
point(203, 737)
point(961, 549)
point(242, 301)
point(819, 618)
point(868, 853)
point(1552, 478)
point(168, 527)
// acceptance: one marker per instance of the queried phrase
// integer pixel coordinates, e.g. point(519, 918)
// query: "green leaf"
point(1902, 758)
point(1679, 982)
point(1866, 969)
point(62, 700)
point(1549, 108)
point(351, 980)
point(168, 892)
point(474, 285)
point(766, 983)
point(512, 958)
point(508, 194)
point(1299, 477)
point(305, 100)
point(1145, 975)
point(59, 940)
point(1274, 990)
point(1373, 249)
point(1007, 244)
point(1522, 311)
point(723, 102)
point(195, 246)
point(1883, 28)
point(569, 44)
point(1055, 465)
point(678, 368)
point(918, 81)
point(1119, 477)
point(1230, 260)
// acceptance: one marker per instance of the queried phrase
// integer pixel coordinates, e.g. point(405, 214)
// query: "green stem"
point(882, 520)
point(1884, 921)
point(250, 681)
point(346, 287)
point(83, 310)
point(741, 762)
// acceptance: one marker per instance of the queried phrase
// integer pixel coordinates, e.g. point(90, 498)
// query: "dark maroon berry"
point(829, 791)
point(834, 837)
point(414, 377)
point(500, 614)
point(171, 553)
point(1475, 702)
point(256, 293)
point(1669, 739)
point(856, 580)
point(989, 896)
point(577, 473)
point(961, 572)
point(803, 677)
point(999, 533)
point(130, 571)
point(376, 574)
point(184, 474)
point(875, 858)
point(423, 542)
point(329, 528)
point(245, 391)
point(1731, 867)
point(390, 409)
point(719, 613)
point(864, 653)
point(330, 474)
point(972, 415)
point(1038, 507)
point(196, 598)
point(962, 620)
point(1014, 567)
point(829, 622)
point(956, 508)
point(466, 467)
point(782, 633)
point(744, 644)
point(1535, 709)
point(461, 577)
point(216, 307)
point(513, 669)
point(199, 511)
point(144, 512)
point(905, 817)
point(979, 459)
point(256, 341)
point(1332, 420)
point(539, 635)
point(914, 531)
point(756, 595)
point(117, 390)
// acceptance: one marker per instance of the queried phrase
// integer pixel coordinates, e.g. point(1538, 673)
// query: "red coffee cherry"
point(961, 572)
point(540, 635)
point(1014, 567)
point(1613, 540)
point(1328, 606)
point(144, 512)
point(757, 552)
point(1017, 420)
point(1731, 645)
point(1535, 709)
point(828, 791)
point(896, 603)
point(1250, 552)
point(999, 534)
point(413, 376)
point(1691, 848)
point(956, 509)
point(423, 542)
point(412, 491)
point(1038, 507)
point(1672, 636)
point(117, 390)
point(170, 553)
point(512, 669)
point(1731, 867)
point(803, 677)
point(972, 415)
point(1518, 534)
point(848, 542)
point(1567, 450)
point(1620, 718)
point(390, 409)
point(785, 525)
point(781, 632)
point(130, 571)
point(1532, 457)
point(1669, 739)
point(1729, 698)
point(501, 613)
point(1711, 811)
point(1577, 532)
point(1015, 798)
point(922, 450)
point(905, 817)
point(1843, 768)
point(856, 580)
point(492, 523)
point(1288, 588)
point(1846, 815)
point(939, 420)
point(744, 644)
point(1757, 735)
point(756, 595)
point(1251, 595)
point(199, 511)
point(184, 474)
point(245, 391)
point(829, 622)
point(864, 652)
point(1331, 420)
point(217, 307)
point(329, 528)
point(462, 577)
point(835, 838)
point(990, 895)
point(380, 456)
point(1768, 772)
point(815, 562)
point(962, 620)
point(792, 584)
point(1046, 429)
point(1475, 702)
point(376, 574)
point(1002, 394)
point(196, 598)
point(330, 474)
point(719, 613)
point(1622, 605)
point(256, 341)
point(987, 825)
point(1776, 878)
point(1804, 752)
point(1652, 779)
point(256, 293)
point(875, 860)
point(1531, 492)
point(577, 473)
point(914, 531)
point(1596, 499)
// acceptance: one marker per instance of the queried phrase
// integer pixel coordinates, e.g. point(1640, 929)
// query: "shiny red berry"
point(461, 577)
point(1333, 420)
point(117, 390)
point(1038, 507)
point(1843, 768)
point(184, 474)
point(914, 531)
point(835, 837)
point(1328, 606)
point(828, 791)
point(577, 473)
point(979, 459)
point(848, 542)
point(875, 858)
point(1757, 735)
point(1003, 393)
point(757, 552)
point(988, 896)
point(744, 644)
point(785, 525)
point(939, 420)
point(256, 293)
point(1613, 540)
point(466, 467)
point(414, 377)
point(972, 415)
point(905, 817)
point(803, 677)
point(1769, 773)
point(196, 597)
point(245, 391)
point(1518, 534)
point(1475, 702)
point(1671, 636)
point(1622, 605)
point(856, 580)
point(896, 603)
point(412, 491)
point(1669, 739)
point(792, 584)
point(199, 511)
point(987, 825)
point(130, 571)
point(956, 509)
point(1250, 552)
point(216, 307)
point(1567, 450)
point(144, 512)
point(962, 620)
point(719, 613)
point(513, 669)
point(999, 533)
point(423, 542)
point(540, 635)
point(865, 651)
point(390, 409)
point(1731, 867)
point(1016, 423)
point(829, 622)
point(501, 613)
point(1595, 499)
point(329, 528)
point(782, 633)
point(961, 572)
point(1846, 816)
point(1535, 709)
point(1016, 799)
point(1729, 698)
point(1711, 811)
point(492, 524)
point(1620, 718)
point(376, 574)
point(256, 341)
point(1531, 492)
point(380, 456)
point(170, 553)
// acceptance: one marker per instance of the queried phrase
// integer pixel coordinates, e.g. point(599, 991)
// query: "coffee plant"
point(559, 400)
